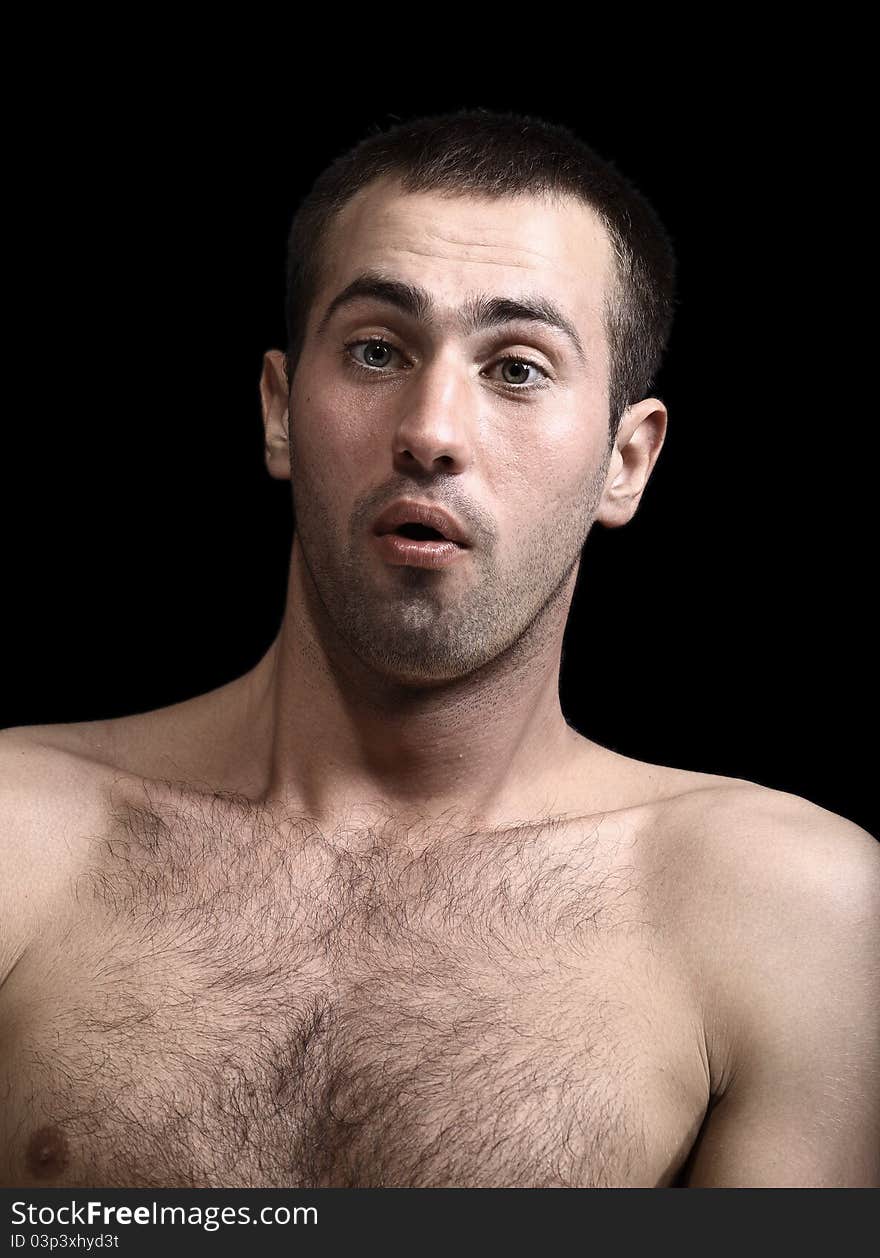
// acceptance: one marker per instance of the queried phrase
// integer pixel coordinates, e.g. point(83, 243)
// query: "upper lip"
point(407, 511)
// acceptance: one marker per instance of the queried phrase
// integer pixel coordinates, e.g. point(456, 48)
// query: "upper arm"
point(42, 805)
point(796, 954)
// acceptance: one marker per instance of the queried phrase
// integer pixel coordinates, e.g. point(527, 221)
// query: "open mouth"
point(422, 525)
point(419, 533)
point(418, 546)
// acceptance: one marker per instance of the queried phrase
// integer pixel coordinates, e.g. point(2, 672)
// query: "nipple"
point(47, 1153)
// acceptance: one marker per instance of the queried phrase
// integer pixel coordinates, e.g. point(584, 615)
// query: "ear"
point(638, 443)
point(275, 400)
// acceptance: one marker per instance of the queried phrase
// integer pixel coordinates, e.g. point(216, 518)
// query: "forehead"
point(456, 246)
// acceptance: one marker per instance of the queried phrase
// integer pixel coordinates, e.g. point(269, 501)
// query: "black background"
point(726, 629)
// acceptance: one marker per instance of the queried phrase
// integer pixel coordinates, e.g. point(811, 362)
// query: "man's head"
point(476, 308)
point(507, 155)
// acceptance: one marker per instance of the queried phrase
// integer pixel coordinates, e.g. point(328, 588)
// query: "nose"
point(436, 424)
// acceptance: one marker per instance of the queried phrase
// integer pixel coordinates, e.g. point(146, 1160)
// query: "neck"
point(334, 735)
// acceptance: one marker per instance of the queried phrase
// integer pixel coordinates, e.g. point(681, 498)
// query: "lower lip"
point(395, 549)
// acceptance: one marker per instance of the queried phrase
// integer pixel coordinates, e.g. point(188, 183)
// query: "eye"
point(373, 354)
point(515, 372)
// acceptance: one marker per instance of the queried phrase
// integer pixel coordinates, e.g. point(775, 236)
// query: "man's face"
point(389, 402)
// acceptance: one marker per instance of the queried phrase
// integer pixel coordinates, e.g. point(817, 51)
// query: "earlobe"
point(278, 436)
point(278, 448)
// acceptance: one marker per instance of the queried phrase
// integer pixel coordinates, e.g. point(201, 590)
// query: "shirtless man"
point(374, 914)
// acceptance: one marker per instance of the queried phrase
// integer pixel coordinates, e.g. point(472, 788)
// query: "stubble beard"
point(427, 627)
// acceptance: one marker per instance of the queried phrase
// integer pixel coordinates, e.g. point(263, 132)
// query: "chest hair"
point(249, 1000)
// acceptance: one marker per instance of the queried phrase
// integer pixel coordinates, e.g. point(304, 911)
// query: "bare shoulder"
point(777, 902)
point(196, 739)
point(780, 905)
point(135, 743)
point(718, 830)
point(51, 800)
point(738, 851)
point(728, 835)
point(740, 836)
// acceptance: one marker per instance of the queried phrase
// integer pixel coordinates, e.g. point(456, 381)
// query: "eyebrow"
point(477, 313)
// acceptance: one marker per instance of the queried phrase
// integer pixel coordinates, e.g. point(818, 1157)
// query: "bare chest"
point(236, 1002)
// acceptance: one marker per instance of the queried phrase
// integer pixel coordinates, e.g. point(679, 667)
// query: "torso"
point(227, 996)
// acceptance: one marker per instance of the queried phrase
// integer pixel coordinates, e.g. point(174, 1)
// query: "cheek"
point(548, 472)
point(333, 444)
point(332, 425)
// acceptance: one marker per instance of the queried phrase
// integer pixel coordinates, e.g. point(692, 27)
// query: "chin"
point(418, 665)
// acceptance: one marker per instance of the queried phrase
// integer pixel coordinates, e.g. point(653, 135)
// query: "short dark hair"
point(480, 152)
